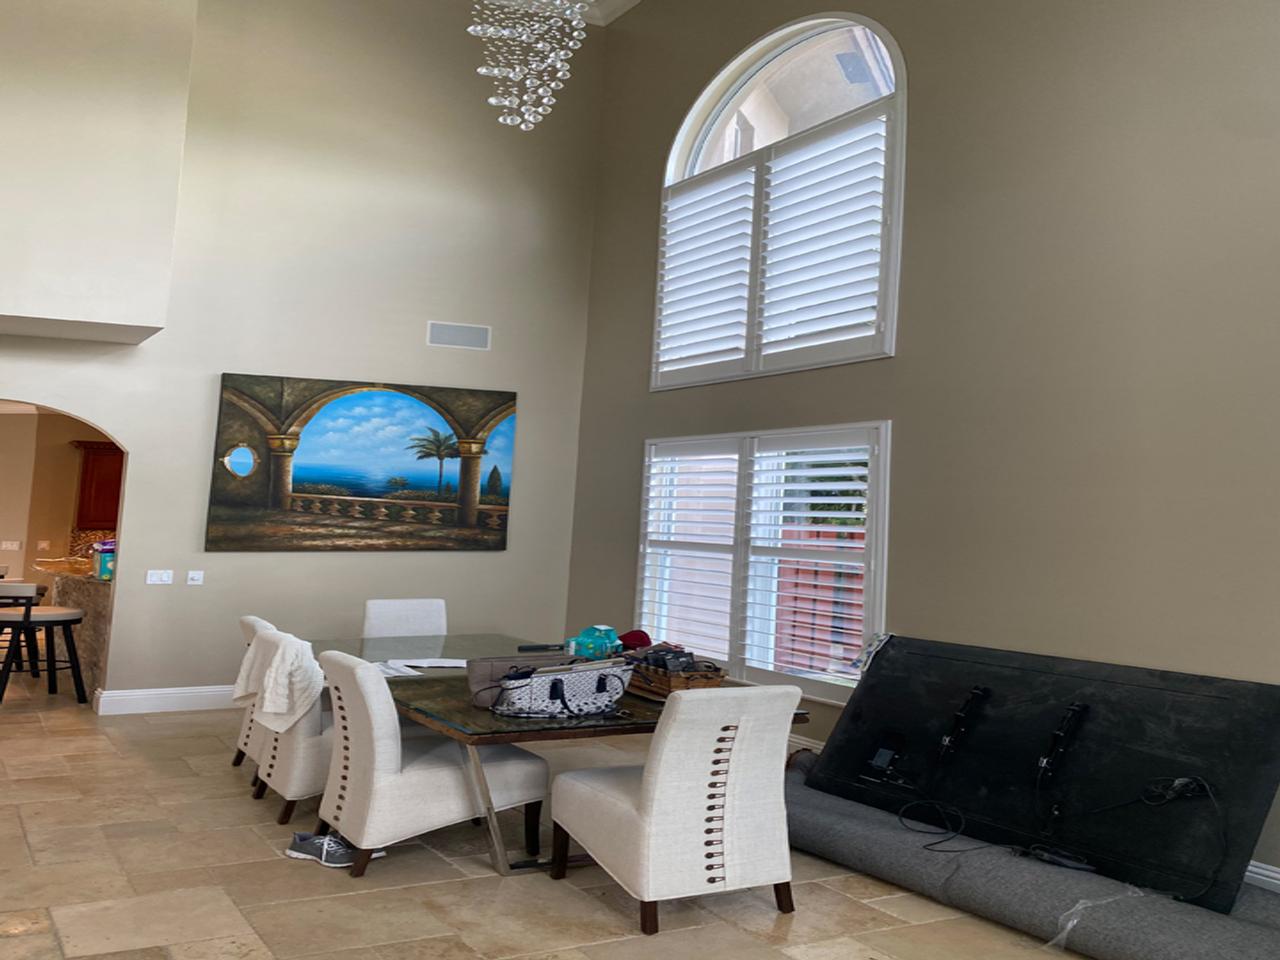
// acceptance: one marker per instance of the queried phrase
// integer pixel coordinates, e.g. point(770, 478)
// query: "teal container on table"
point(595, 643)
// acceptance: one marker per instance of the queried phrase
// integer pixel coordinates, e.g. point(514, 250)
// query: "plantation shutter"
point(807, 552)
point(688, 542)
point(824, 209)
point(704, 282)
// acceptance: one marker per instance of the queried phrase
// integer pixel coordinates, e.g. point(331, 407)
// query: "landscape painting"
point(341, 465)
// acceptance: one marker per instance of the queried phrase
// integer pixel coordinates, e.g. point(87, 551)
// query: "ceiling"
point(604, 12)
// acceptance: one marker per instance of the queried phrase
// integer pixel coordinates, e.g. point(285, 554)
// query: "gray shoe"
point(328, 851)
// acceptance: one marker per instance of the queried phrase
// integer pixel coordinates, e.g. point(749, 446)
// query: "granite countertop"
point(93, 635)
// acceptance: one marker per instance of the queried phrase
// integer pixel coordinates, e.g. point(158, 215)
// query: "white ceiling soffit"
point(604, 12)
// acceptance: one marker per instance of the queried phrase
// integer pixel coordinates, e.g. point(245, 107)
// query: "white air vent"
point(465, 335)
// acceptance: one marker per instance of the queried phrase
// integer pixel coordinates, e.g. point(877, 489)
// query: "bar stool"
point(14, 631)
point(23, 617)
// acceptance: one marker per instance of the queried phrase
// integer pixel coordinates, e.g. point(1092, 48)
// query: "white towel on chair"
point(281, 672)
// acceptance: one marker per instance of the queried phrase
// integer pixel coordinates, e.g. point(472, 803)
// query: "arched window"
point(779, 247)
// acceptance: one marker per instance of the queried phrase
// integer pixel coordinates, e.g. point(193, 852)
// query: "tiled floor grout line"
point(203, 789)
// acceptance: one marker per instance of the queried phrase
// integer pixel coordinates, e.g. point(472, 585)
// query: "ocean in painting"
point(363, 444)
point(374, 483)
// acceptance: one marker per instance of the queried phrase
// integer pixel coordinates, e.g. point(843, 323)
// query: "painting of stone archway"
point(343, 465)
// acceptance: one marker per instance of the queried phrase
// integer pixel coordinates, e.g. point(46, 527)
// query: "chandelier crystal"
point(528, 45)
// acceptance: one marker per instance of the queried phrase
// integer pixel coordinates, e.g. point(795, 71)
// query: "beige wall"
point(1085, 390)
point(17, 454)
point(93, 102)
point(344, 182)
point(55, 487)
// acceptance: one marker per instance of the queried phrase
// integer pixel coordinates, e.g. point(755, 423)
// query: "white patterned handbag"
point(577, 690)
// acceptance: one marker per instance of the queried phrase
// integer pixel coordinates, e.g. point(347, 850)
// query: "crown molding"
point(604, 12)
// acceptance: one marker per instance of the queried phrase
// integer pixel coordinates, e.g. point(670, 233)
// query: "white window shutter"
point(807, 563)
point(688, 542)
point(766, 551)
point(824, 212)
point(704, 281)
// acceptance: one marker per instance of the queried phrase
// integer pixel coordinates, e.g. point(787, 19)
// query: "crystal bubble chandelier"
point(528, 45)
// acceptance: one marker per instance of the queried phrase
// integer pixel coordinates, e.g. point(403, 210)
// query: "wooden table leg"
point(480, 786)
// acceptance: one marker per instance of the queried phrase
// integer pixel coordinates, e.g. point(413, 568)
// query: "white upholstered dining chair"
point(249, 743)
point(404, 618)
point(384, 788)
point(705, 813)
point(294, 763)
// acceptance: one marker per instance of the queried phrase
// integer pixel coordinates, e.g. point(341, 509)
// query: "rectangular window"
point(765, 551)
point(785, 259)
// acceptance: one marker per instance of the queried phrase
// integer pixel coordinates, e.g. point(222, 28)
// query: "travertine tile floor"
point(134, 838)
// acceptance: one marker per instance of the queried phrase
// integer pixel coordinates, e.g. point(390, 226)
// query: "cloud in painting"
point(368, 434)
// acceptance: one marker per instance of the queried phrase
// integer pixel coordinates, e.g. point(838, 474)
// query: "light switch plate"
point(42, 544)
point(195, 578)
point(159, 576)
point(10, 544)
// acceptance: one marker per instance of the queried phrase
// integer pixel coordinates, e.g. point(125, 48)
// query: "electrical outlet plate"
point(42, 544)
point(159, 576)
point(195, 578)
point(10, 544)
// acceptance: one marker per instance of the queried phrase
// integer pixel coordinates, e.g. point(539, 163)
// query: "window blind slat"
point(702, 269)
point(836, 313)
point(822, 233)
point(836, 334)
point(822, 290)
point(691, 495)
point(705, 270)
point(817, 277)
point(797, 200)
point(710, 314)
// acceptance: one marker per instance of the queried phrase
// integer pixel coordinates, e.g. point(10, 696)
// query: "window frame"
point(690, 141)
point(876, 553)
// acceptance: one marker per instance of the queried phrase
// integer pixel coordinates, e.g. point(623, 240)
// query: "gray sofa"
point(1084, 912)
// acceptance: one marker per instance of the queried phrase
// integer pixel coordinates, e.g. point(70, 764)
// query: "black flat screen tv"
point(1156, 778)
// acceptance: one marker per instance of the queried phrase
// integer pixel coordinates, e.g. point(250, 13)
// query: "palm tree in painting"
point(435, 446)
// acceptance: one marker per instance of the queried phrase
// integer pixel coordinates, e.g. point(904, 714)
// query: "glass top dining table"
point(440, 700)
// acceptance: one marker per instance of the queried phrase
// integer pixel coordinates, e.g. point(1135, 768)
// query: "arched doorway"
point(60, 494)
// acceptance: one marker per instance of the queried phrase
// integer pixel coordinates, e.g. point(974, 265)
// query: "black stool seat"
point(53, 616)
point(25, 621)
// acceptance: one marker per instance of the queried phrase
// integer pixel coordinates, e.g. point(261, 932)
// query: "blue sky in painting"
point(360, 440)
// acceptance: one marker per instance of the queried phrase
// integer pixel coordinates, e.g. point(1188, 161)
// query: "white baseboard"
point(796, 742)
point(110, 703)
point(1263, 875)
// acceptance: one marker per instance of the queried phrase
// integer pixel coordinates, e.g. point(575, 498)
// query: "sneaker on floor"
point(329, 851)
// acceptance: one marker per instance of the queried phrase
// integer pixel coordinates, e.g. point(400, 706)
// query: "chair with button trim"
point(294, 763)
point(705, 813)
point(384, 787)
point(249, 743)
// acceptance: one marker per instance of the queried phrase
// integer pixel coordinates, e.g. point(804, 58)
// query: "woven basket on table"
point(655, 684)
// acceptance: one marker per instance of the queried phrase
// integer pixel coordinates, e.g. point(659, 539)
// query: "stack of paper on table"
point(410, 668)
